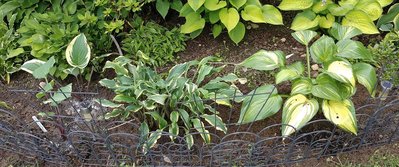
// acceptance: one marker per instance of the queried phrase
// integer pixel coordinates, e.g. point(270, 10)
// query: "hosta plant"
point(343, 63)
point(390, 20)
point(227, 15)
point(171, 103)
point(323, 13)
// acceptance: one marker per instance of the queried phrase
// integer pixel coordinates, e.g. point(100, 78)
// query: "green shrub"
point(323, 13)
point(156, 41)
point(386, 53)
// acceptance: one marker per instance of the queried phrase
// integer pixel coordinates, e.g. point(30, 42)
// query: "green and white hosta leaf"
point(272, 15)
point(390, 16)
point(173, 130)
point(199, 126)
point(340, 32)
point(253, 13)
point(323, 49)
point(215, 121)
point(32, 65)
point(342, 114)
point(213, 5)
point(295, 4)
point(327, 88)
point(342, 71)
point(297, 114)
point(371, 7)
point(305, 20)
point(291, 72)
point(195, 4)
point(264, 103)
point(78, 52)
point(304, 36)
point(360, 20)
point(302, 86)
point(107, 103)
point(366, 75)
point(265, 60)
point(353, 50)
point(159, 98)
point(44, 69)
point(151, 140)
point(194, 22)
point(229, 17)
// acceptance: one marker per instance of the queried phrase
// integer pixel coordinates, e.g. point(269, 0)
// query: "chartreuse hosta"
point(226, 14)
point(323, 13)
point(77, 55)
point(171, 103)
point(343, 63)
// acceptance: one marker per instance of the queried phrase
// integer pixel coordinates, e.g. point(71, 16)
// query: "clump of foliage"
point(390, 21)
point(226, 14)
point(156, 41)
point(386, 53)
point(170, 103)
point(323, 13)
point(343, 63)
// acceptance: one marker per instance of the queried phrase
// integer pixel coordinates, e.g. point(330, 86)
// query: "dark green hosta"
point(171, 103)
point(323, 13)
point(343, 63)
point(390, 20)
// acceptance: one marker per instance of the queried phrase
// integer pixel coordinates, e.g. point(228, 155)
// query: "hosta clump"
point(172, 103)
point(390, 20)
point(386, 53)
point(343, 63)
point(226, 14)
point(159, 43)
point(323, 13)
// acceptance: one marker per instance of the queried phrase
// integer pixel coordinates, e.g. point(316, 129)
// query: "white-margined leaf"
point(366, 75)
point(199, 126)
point(215, 121)
point(302, 86)
point(78, 52)
point(265, 60)
point(342, 114)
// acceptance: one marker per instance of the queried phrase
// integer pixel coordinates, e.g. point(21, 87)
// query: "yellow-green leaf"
point(361, 21)
point(295, 4)
point(229, 17)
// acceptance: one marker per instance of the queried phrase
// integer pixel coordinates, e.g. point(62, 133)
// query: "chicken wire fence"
point(71, 137)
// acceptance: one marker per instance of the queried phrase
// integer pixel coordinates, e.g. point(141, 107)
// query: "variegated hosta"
point(297, 111)
point(342, 71)
point(341, 113)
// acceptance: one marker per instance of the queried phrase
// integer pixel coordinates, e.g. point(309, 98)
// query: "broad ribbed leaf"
point(260, 104)
point(371, 7)
point(253, 13)
point(390, 16)
point(366, 75)
point(302, 86)
point(272, 15)
point(360, 20)
point(342, 114)
point(159, 98)
point(291, 72)
point(78, 52)
point(44, 70)
point(304, 37)
point(326, 91)
point(341, 71)
point(295, 4)
point(340, 10)
point(229, 17)
point(353, 50)
point(265, 60)
point(323, 49)
point(32, 65)
point(340, 32)
point(305, 20)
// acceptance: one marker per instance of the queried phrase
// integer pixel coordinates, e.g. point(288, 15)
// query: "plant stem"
point(308, 60)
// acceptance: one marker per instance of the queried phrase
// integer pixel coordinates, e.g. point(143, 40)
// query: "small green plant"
point(386, 53)
point(160, 43)
point(323, 13)
point(173, 103)
point(390, 21)
point(226, 14)
point(343, 64)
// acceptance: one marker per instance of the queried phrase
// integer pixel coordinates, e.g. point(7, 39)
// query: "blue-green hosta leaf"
point(341, 71)
point(199, 126)
point(44, 69)
point(32, 65)
point(260, 104)
point(340, 32)
point(304, 36)
point(265, 60)
point(272, 15)
point(353, 50)
point(229, 17)
point(295, 4)
point(323, 49)
point(213, 5)
point(371, 7)
point(366, 75)
point(253, 13)
point(291, 72)
point(62, 94)
point(78, 52)
point(298, 110)
point(305, 20)
point(360, 20)
point(237, 33)
point(342, 114)
point(302, 86)
point(237, 3)
point(195, 4)
point(216, 122)
point(194, 22)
